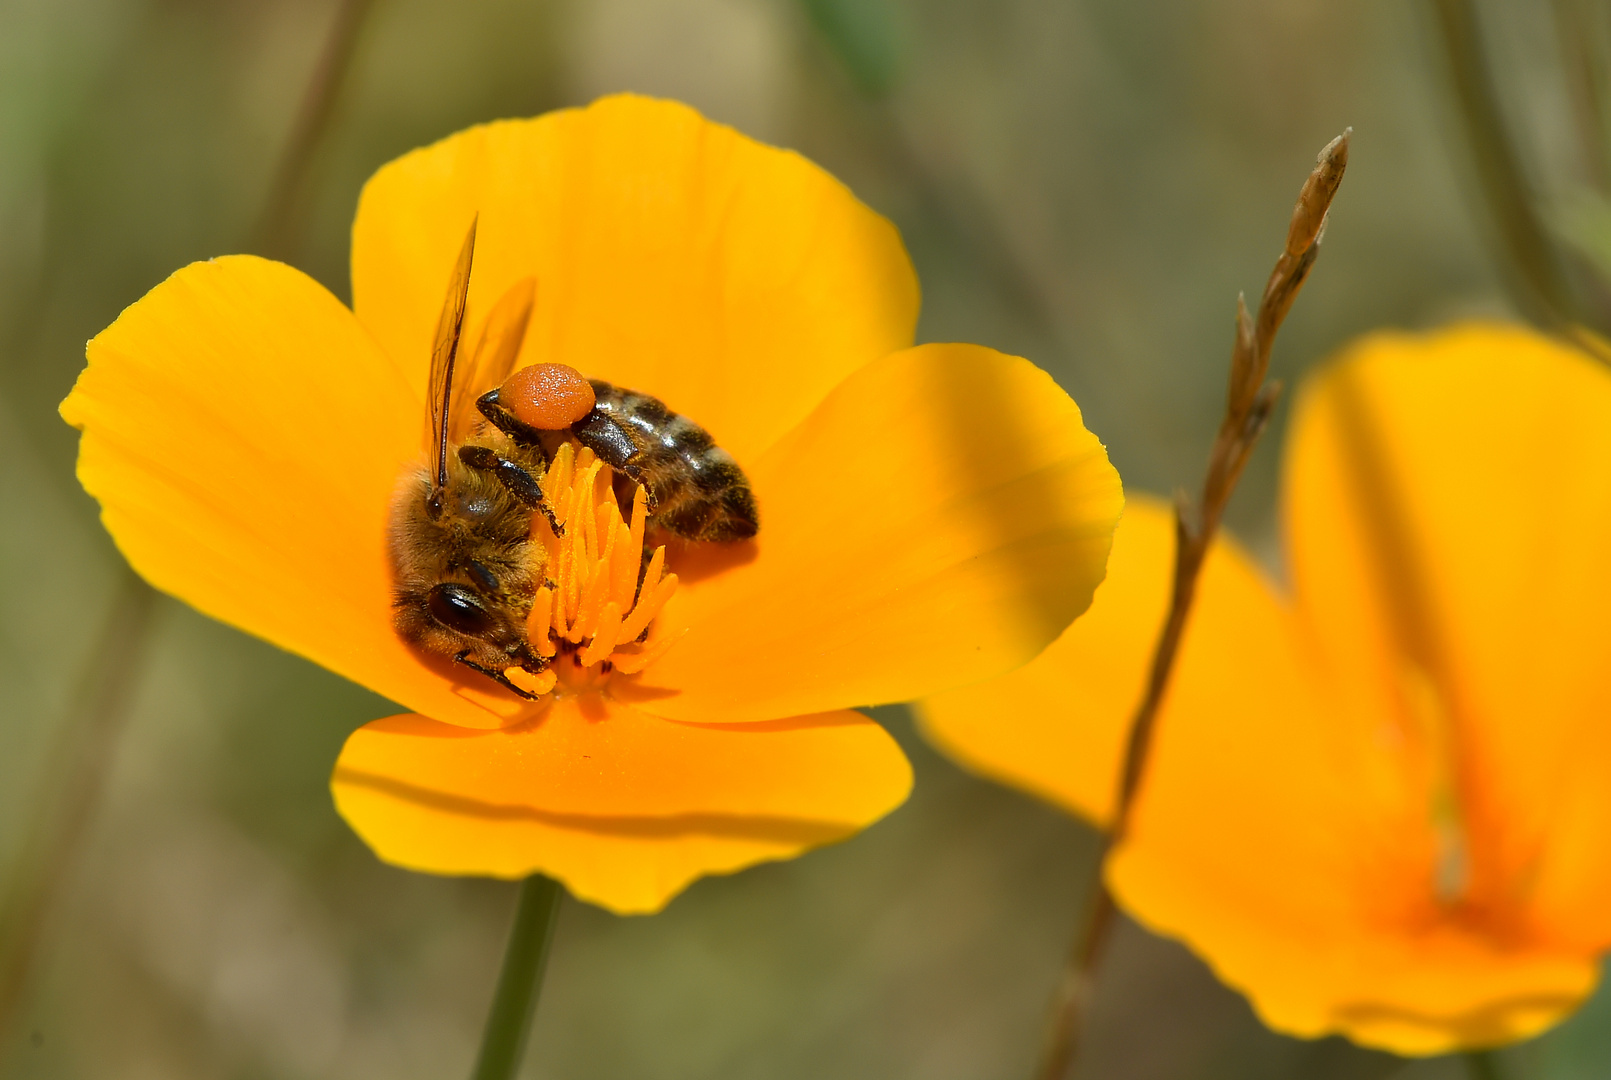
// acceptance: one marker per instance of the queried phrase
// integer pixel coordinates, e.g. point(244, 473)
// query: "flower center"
point(593, 616)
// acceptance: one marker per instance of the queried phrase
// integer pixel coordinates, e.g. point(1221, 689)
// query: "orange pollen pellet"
point(547, 396)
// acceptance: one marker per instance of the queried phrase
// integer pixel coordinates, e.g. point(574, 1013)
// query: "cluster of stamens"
point(599, 600)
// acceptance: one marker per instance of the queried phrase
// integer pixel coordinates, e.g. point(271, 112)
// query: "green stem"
point(1483, 1065)
point(503, 1042)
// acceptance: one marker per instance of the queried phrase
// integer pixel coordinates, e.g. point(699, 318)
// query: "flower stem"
point(1248, 404)
point(503, 1041)
point(1483, 1065)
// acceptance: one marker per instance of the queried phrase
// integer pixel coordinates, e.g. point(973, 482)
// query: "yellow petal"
point(1429, 991)
point(626, 809)
point(243, 435)
point(674, 256)
point(1057, 726)
point(938, 520)
point(1449, 514)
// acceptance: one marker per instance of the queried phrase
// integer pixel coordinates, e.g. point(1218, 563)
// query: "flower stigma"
point(592, 616)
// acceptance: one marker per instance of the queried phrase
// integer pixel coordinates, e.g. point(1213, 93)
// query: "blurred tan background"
point(1085, 182)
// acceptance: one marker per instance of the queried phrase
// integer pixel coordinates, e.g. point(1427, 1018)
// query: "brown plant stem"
point(96, 715)
point(281, 222)
point(940, 188)
point(1249, 401)
point(94, 719)
point(1536, 275)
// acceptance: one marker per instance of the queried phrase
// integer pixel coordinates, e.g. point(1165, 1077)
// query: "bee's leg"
point(599, 432)
point(530, 661)
point(496, 676)
point(520, 483)
point(504, 420)
point(523, 435)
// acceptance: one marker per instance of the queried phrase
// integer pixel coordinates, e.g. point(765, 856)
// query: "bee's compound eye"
point(458, 608)
point(547, 396)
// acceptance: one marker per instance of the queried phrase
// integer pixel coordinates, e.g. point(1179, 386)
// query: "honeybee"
point(465, 565)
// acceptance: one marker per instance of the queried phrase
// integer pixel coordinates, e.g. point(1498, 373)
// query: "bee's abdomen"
point(696, 488)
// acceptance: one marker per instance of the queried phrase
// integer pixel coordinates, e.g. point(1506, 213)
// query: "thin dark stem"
point(1483, 1065)
point(948, 197)
point(89, 735)
point(1249, 401)
point(503, 1041)
point(95, 718)
point(1077, 985)
point(280, 226)
point(1536, 269)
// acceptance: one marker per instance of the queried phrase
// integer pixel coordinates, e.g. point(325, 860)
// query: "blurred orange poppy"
point(1381, 804)
point(930, 516)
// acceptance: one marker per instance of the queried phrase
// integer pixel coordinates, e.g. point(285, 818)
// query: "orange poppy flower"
point(929, 516)
point(1379, 804)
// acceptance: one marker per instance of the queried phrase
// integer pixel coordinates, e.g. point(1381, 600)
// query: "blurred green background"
point(1085, 182)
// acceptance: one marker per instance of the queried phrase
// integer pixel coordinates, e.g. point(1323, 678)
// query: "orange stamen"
point(604, 637)
point(540, 683)
point(632, 663)
point(540, 620)
point(596, 604)
point(650, 601)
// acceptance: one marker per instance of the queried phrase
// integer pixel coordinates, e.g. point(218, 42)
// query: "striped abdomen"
point(696, 489)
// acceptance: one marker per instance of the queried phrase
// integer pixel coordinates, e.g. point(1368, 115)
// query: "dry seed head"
point(1309, 216)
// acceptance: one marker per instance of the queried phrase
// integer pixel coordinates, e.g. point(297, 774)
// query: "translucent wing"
point(444, 353)
point(493, 358)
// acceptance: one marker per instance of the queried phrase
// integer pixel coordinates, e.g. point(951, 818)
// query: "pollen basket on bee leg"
point(548, 397)
point(600, 598)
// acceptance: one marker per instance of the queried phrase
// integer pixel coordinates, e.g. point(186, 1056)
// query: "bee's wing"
point(444, 352)
point(493, 358)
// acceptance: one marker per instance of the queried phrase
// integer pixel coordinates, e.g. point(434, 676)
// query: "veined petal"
point(673, 256)
point(243, 435)
point(938, 520)
point(626, 809)
point(1448, 508)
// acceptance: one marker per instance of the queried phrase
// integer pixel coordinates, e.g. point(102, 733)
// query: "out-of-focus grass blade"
point(863, 35)
point(1582, 220)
